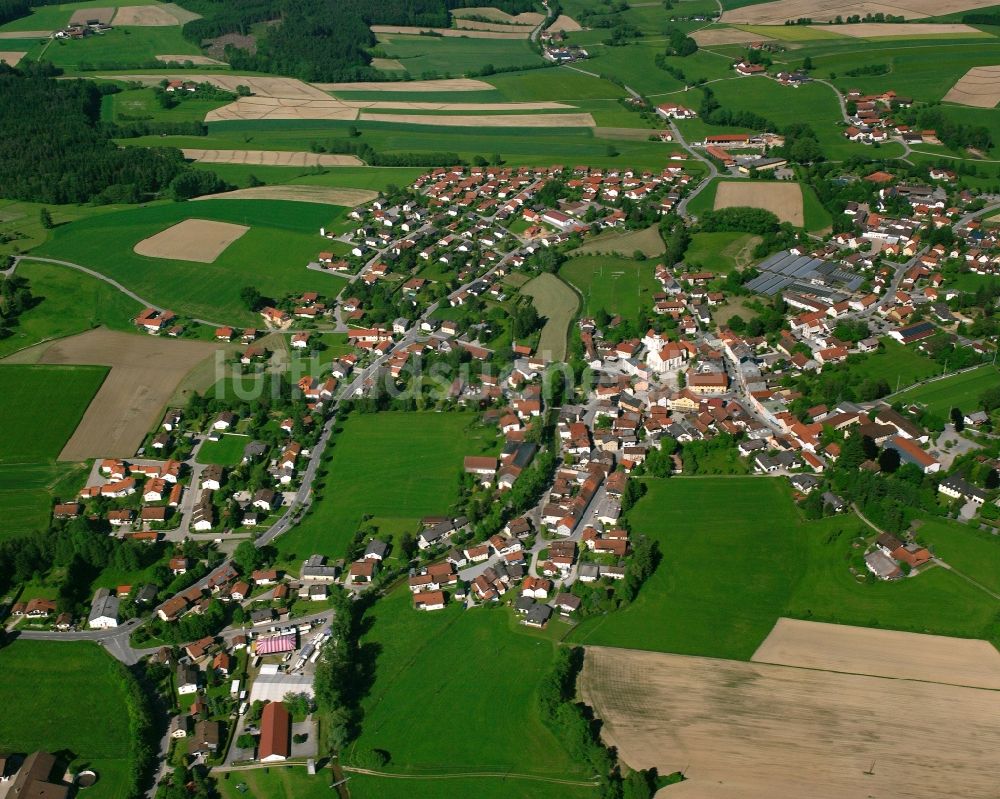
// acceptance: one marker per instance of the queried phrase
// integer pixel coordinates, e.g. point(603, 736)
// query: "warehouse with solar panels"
point(805, 275)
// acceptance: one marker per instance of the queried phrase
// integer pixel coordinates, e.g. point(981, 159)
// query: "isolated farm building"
point(275, 733)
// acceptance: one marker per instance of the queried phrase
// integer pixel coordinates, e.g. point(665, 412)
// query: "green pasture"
point(118, 46)
point(429, 664)
point(396, 465)
point(900, 365)
point(958, 391)
point(729, 572)
point(272, 255)
point(56, 697)
point(66, 302)
point(973, 552)
point(141, 104)
point(454, 56)
point(617, 285)
point(721, 252)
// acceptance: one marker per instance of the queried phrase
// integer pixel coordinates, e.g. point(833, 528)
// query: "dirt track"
point(270, 158)
point(198, 240)
point(979, 87)
point(307, 194)
point(442, 85)
point(758, 731)
point(144, 372)
point(487, 120)
point(777, 12)
point(782, 199)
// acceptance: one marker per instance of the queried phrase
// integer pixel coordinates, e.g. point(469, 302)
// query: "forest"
point(53, 149)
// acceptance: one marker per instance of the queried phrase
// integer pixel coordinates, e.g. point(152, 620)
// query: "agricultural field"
point(429, 665)
point(721, 252)
point(777, 11)
point(973, 552)
point(784, 200)
point(692, 605)
point(558, 303)
point(396, 467)
point(958, 391)
point(118, 48)
point(760, 730)
point(617, 285)
point(145, 371)
point(67, 302)
point(31, 434)
point(424, 56)
point(39, 714)
point(272, 255)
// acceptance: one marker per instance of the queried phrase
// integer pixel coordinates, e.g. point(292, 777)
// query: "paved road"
point(713, 171)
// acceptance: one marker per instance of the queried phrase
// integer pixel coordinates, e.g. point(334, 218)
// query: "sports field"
point(616, 285)
point(55, 696)
point(729, 574)
point(397, 467)
point(283, 238)
point(558, 303)
point(648, 242)
point(429, 665)
point(958, 391)
point(41, 406)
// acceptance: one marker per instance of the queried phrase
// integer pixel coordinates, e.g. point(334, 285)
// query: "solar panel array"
point(785, 268)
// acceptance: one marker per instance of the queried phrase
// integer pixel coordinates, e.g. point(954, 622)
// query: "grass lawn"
point(67, 302)
point(428, 665)
point(721, 252)
point(901, 366)
point(973, 552)
point(958, 391)
point(36, 432)
point(401, 466)
point(618, 285)
point(56, 696)
point(272, 255)
point(454, 56)
point(227, 451)
point(731, 568)
point(558, 303)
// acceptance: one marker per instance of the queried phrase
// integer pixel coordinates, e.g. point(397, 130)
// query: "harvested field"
point(475, 25)
point(83, 15)
point(782, 199)
point(758, 731)
point(775, 13)
point(410, 105)
point(281, 108)
point(270, 158)
point(979, 87)
point(406, 31)
point(716, 35)
point(204, 60)
point(153, 16)
point(564, 23)
point(881, 653)
point(388, 65)
point(199, 240)
point(874, 30)
point(496, 15)
point(11, 57)
point(443, 85)
point(144, 372)
point(487, 120)
point(306, 194)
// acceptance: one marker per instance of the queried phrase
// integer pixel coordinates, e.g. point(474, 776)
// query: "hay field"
point(281, 108)
point(881, 653)
point(448, 32)
point(775, 13)
point(442, 85)
point(876, 30)
point(979, 87)
point(203, 60)
point(782, 199)
point(145, 370)
point(717, 35)
point(158, 15)
point(83, 15)
point(199, 240)
point(270, 158)
point(565, 23)
point(486, 120)
point(307, 194)
point(759, 731)
point(12, 57)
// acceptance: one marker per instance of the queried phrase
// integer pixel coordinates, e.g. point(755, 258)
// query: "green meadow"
point(56, 697)
point(617, 285)
point(958, 391)
point(397, 467)
point(227, 451)
point(455, 56)
point(272, 255)
point(729, 573)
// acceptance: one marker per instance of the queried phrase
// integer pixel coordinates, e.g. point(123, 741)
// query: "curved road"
point(713, 171)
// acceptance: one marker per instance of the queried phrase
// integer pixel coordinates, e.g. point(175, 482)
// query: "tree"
point(807, 63)
point(888, 460)
point(852, 453)
point(611, 151)
point(958, 419)
point(248, 557)
point(46, 219)
point(246, 741)
point(251, 298)
point(992, 479)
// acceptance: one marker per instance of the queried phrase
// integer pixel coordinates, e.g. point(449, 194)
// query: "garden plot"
point(199, 240)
